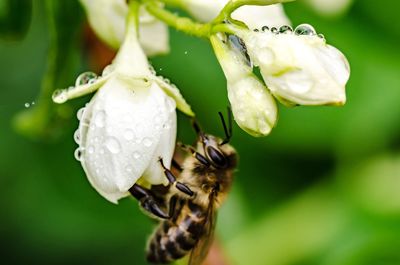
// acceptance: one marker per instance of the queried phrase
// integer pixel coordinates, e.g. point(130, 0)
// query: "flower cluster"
point(131, 121)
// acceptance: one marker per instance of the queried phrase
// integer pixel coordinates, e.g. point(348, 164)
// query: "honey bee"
point(191, 199)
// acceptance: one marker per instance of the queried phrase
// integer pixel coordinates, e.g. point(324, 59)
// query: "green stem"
point(183, 24)
point(232, 5)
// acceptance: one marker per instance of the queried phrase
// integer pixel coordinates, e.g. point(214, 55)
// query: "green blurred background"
point(323, 188)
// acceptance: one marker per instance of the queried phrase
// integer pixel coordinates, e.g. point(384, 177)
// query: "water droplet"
point(147, 142)
point(78, 153)
point(80, 112)
point(100, 118)
point(85, 78)
point(305, 29)
point(33, 103)
point(59, 96)
point(27, 105)
point(128, 169)
point(136, 155)
point(90, 149)
point(265, 28)
point(321, 36)
point(241, 116)
point(108, 70)
point(151, 68)
point(167, 126)
point(256, 30)
point(77, 136)
point(285, 29)
point(160, 69)
point(186, 52)
point(166, 80)
point(113, 145)
point(129, 135)
point(263, 126)
point(274, 30)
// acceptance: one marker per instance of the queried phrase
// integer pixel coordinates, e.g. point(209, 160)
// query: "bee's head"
point(218, 151)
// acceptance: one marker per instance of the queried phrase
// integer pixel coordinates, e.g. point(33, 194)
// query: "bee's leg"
point(172, 180)
point(176, 165)
point(147, 201)
point(202, 159)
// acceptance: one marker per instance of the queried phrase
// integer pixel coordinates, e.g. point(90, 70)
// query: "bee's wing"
point(200, 250)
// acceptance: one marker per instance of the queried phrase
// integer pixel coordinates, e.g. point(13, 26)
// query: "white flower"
point(128, 124)
point(107, 18)
point(253, 107)
point(299, 67)
point(253, 16)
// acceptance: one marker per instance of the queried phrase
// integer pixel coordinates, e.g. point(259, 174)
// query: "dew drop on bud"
point(285, 29)
point(265, 28)
point(59, 96)
point(85, 78)
point(256, 30)
point(305, 29)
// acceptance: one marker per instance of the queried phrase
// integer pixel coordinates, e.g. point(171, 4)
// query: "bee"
point(193, 198)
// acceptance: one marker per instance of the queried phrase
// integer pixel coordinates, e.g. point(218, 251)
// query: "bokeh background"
point(322, 189)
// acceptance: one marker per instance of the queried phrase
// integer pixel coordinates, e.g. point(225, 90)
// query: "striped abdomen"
point(174, 238)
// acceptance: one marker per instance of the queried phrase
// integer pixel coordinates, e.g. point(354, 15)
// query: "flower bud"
point(253, 107)
point(107, 18)
point(299, 67)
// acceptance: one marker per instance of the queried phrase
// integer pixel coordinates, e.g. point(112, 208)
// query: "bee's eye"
point(216, 156)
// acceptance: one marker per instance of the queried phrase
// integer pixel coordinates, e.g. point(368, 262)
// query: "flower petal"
point(253, 107)
point(118, 136)
point(108, 18)
point(172, 91)
point(153, 34)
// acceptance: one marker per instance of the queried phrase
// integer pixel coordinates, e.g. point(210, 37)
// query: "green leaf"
point(15, 17)
point(46, 120)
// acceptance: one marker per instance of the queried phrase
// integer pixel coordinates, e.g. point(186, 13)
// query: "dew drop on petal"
point(136, 155)
point(128, 169)
point(59, 96)
point(85, 78)
point(78, 154)
point(147, 142)
point(129, 135)
point(305, 29)
point(80, 112)
point(263, 126)
point(100, 118)
point(265, 28)
point(101, 151)
point(77, 136)
point(90, 149)
point(113, 145)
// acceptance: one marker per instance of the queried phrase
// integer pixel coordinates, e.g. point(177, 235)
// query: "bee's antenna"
point(227, 130)
point(197, 129)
